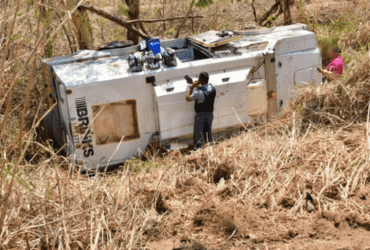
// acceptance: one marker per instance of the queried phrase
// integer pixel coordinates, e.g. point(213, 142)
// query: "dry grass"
point(45, 204)
point(339, 104)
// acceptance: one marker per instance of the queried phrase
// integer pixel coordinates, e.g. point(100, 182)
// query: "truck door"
point(293, 69)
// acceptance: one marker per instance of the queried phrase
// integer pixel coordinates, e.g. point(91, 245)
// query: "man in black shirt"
point(204, 96)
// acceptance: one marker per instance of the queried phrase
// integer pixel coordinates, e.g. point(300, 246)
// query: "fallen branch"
point(65, 32)
point(254, 12)
point(143, 29)
point(273, 9)
point(160, 20)
point(329, 74)
point(113, 19)
point(276, 15)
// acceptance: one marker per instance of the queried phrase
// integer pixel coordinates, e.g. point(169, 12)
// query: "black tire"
point(53, 130)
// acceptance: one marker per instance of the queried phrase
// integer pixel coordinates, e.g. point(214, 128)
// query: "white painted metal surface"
point(287, 64)
point(104, 77)
point(211, 38)
point(176, 115)
point(110, 92)
point(257, 97)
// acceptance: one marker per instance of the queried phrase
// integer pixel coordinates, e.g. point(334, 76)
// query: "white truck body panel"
point(176, 115)
point(297, 61)
point(124, 111)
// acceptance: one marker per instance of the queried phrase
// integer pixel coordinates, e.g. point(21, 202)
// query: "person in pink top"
point(336, 65)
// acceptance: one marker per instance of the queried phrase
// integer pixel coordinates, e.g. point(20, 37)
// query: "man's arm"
point(190, 92)
point(188, 98)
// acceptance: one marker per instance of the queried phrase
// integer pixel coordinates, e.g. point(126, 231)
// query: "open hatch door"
point(215, 38)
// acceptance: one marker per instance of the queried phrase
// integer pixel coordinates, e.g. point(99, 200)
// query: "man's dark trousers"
point(202, 125)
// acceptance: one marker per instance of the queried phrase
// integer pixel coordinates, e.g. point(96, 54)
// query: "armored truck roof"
point(87, 66)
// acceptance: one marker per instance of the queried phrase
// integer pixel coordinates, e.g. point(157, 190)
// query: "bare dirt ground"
point(218, 216)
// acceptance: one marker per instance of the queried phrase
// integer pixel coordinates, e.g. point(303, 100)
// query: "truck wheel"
point(53, 131)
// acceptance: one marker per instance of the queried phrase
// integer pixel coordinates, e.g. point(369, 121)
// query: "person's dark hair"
point(203, 77)
point(336, 49)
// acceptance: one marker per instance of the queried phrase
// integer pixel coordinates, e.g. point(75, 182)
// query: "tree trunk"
point(254, 11)
point(81, 21)
point(42, 10)
point(133, 14)
point(184, 20)
point(287, 15)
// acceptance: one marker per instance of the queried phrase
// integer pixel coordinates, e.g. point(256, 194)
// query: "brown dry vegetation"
point(307, 191)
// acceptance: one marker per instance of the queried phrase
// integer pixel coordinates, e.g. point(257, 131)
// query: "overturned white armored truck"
point(111, 103)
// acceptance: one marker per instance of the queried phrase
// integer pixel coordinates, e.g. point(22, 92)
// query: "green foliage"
point(170, 31)
point(271, 19)
point(102, 21)
point(344, 23)
point(123, 9)
point(29, 2)
point(354, 164)
point(341, 90)
point(301, 6)
point(15, 37)
point(18, 178)
point(49, 47)
point(102, 3)
point(137, 165)
point(259, 16)
point(15, 121)
point(117, 34)
point(112, 181)
point(157, 10)
point(203, 3)
point(339, 28)
point(33, 185)
point(224, 26)
point(299, 107)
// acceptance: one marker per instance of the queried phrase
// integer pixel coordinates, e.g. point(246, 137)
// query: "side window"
point(114, 120)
